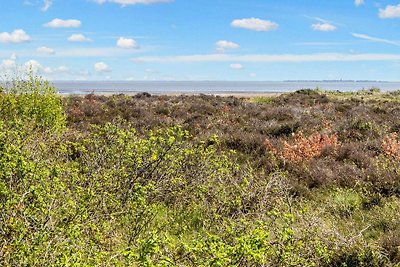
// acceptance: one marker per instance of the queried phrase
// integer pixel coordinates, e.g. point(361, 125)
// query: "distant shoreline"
point(218, 81)
point(227, 94)
point(215, 88)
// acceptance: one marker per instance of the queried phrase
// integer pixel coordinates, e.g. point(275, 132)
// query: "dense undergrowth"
point(303, 179)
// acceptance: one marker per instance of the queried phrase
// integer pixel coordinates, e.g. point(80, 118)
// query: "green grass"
point(263, 99)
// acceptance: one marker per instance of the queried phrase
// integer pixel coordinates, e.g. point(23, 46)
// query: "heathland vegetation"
point(310, 178)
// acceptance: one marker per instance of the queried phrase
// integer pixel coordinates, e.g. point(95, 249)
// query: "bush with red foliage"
point(391, 146)
point(303, 148)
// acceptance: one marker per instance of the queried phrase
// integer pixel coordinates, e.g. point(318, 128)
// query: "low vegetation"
point(309, 178)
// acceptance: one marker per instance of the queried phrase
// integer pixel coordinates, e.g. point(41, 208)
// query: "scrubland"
point(309, 178)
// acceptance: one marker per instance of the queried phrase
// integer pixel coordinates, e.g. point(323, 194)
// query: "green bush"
point(31, 101)
point(66, 203)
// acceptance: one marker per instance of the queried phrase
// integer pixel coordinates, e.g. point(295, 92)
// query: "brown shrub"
point(303, 97)
point(391, 243)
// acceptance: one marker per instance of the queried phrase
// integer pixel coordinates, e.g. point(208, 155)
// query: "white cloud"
point(236, 66)
point(133, 2)
point(46, 5)
point(222, 45)
point(9, 65)
point(127, 43)
point(101, 67)
point(374, 39)
point(323, 27)
point(150, 71)
point(36, 67)
point(255, 24)
point(32, 65)
point(390, 12)
point(321, 43)
point(96, 52)
point(253, 74)
point(17, 36)
point(323, 57)
point(60, 23)
point(78, 38)
point(27, 3)
point(358, 2)
point(46, 50)
point(62, 69)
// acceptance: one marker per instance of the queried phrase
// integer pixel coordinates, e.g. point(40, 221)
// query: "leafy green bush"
point(31, 101)
point(85, 202)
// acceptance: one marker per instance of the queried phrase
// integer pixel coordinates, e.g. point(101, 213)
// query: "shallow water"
point(213, 87)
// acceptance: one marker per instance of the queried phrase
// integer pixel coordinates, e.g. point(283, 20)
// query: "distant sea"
point(214, 87)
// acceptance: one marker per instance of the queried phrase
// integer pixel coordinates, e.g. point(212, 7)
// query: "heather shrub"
point(283, 130)
point(303, 97)
point(391, 146)
point(354, 153)
point(383, 176)
point(390, 241)
point(303, 148)
point(358, 256)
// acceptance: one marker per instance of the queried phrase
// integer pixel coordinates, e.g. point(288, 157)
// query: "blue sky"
point(201, 39)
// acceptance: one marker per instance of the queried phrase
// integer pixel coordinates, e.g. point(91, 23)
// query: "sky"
point(246, 40)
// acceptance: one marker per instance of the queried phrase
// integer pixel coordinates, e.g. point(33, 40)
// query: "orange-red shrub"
point(391, 145)
point(303, 148)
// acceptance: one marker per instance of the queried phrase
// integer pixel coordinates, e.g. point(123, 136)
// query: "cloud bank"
point(323, 57)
